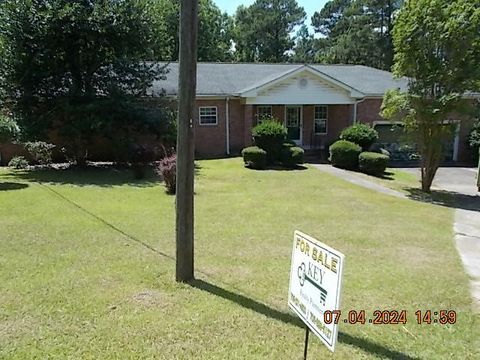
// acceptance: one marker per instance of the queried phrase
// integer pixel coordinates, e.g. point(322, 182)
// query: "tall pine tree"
point(263, 30)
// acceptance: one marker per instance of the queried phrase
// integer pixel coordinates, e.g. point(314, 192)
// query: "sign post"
point(315, 287)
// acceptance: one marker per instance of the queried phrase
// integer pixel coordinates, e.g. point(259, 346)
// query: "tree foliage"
point(263, 30)
point(8, 129)
point(437, 46)
point(215, 31)
point(78, 69)
point(357, 31)
point(305, 47)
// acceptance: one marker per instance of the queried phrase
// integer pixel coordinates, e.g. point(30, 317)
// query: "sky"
point(310, 6)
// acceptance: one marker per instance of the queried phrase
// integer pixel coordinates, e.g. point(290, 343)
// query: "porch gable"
point(305, 87)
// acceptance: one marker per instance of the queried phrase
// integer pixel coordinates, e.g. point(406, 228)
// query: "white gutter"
point(355, 110)
point(227, 124)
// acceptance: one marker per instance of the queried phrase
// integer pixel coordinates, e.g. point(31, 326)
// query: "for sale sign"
point(315, 285)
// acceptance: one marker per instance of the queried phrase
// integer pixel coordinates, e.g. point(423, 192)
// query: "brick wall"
point(368, 111)
point(339, 117)
point(237, 126)
point(210, 140)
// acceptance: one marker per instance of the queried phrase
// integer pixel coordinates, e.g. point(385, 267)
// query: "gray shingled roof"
point(234, 78)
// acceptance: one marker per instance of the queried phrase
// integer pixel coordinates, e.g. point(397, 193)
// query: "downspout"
point(355, 110)
point(227, 124)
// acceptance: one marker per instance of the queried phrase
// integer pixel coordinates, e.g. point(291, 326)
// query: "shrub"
point(378, 148)
point(289, 143)
point(360, 134)
point(269, 136)
point(344, 154)
point(167, 169)
point(40, 151)
point(292, 156)
point(254, 157)
point(373, 163)
point(18, 162)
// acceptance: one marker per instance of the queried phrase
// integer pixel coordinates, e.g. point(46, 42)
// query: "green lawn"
point(87, 269)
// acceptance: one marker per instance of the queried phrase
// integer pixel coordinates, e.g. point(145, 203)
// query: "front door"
point(293, 122)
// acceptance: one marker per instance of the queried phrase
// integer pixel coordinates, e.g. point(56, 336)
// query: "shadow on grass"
point(8, 186)
point(387, 175)
point(279, 168)
point(258, 307)
point(106, 176)
point(445, 198)
point(109, 225)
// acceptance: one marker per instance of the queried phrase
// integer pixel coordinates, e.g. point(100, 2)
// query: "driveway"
point(461, 180)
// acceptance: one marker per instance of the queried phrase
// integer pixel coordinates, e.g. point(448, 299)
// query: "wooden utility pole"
point(187, 83)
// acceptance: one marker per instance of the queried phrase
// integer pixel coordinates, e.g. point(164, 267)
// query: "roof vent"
point(302, 83)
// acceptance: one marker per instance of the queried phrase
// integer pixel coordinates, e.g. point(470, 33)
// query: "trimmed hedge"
point(289, 143)
point(360, 134)
point(254, 157)
point(269, 136)
point(373, 163)
point(344, 154)
point(292, 156)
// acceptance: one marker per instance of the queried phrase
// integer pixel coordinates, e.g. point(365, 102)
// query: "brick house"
point(315, 102)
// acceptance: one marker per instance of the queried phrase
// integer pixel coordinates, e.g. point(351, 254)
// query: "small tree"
point(78, 69)
point(437, 48)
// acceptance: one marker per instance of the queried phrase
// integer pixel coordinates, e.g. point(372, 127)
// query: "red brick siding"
point(237, 126)
point(339, 117)
point(210, 140)
point(278, 112)
point(249, 122)
point(368, 111)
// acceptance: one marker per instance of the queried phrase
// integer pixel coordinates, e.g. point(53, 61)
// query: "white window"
point(321, 119)
point(208, 115)
point(264, 112)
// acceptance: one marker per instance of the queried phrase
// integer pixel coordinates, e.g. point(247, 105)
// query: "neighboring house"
point(315, 102)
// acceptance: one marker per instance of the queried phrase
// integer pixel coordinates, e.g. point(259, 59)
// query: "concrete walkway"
point(354, 178)
point(461, 183)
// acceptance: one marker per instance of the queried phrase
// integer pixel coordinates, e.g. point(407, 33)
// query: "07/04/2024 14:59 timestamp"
point(390, 317)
